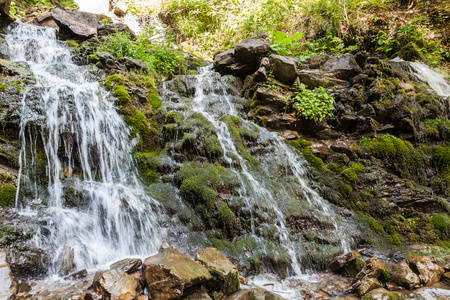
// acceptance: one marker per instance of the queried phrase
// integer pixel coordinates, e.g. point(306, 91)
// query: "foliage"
point(7, 195)
point(284, 45)
point(313, 104)
point(161, 59)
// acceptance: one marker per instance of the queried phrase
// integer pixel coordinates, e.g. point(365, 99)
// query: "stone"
point(200, 294)
point(76, 275)
point(44, 16)
point(344, 67)
point(446, 278)
point(251, 294)
point(429, 272)
point(120, 9)
point(28, 261)
point(343, 146)
point(225, 274)
point(106, 61)
point(78, 23)
point(365, 285)
point(108, 28)
point(116, 284)
point(65, 260)
point(347, 264)
point(7, 285)
point(133, 64)
point(5, 6)
point(402, 274)
point(68, 171)
point(289, 135)
point(243, 58)
point(16, 71)
point(284, 68)
point(170, 272)
point(129, 265)
point(317, 78)
point(373, 269)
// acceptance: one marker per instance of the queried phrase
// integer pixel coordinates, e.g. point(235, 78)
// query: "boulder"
point(170, 272)
point(429, 272)
point(108, 28)
point(129, 265)
point(446, 278)
point(402, 274)
point(361, 287)
point(28, 261)
point(243, 58)
point(105, 61)
point(77, 275)
point(343, 67)
point(373, 269)
point(348, 264)
point(65, 260)
point(258, 293)
point(225, 274)
point(200, 294)
point(133, 64)
point(78, 23)
point(15, 71)
point(7, 285)
point(284, 68)
point(116, 284)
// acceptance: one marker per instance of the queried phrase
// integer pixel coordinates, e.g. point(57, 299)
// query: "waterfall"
point(74, 121)
point(435, 80)
point(260, 189)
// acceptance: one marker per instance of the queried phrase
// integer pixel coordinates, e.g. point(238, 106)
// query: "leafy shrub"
point(311, 104)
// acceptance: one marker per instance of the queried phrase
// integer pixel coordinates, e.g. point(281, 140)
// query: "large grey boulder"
point(343, 67)
point(78, 23)
point(116, 284)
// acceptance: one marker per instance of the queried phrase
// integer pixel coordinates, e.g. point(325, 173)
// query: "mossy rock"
point(121, 94)
point(353, 267)
point(7, 195)
point(411, 52)
point(225, 216)
point(141, 129)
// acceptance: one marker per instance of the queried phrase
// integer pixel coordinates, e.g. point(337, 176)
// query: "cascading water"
point(76, 122)
point(434, 79)
point(260, 189)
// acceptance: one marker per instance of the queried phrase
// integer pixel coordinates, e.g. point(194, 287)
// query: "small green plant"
point(286, 45)
point(313, 104)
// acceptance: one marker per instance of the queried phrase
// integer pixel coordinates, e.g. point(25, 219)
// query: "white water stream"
point(435, 80)
point(80, 129)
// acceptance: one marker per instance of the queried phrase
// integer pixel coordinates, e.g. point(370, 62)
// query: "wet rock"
point(429, 272)
point(373, 269)
point(169, 273)
point(259, 293)
point(344, 67)
point(243, 58)
point(7, 285)
point(401, 274)
point(284, 68)
point(129, 265)
point(348, 264)
point(343, 146)
point(76, 275)
point(68, 171)
point(270, 98)
point(44, 16)
point(65, 260)
point(289, 135)
point(28, 261)
point(225, 274)
point(200, 294)
point(133, 64)
point(116, 284)
point(15, 71)
point(105, 61)
point(365, 285)
point(78, 23)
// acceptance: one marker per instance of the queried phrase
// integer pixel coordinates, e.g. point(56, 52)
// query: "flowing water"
point(76, 123)
point(279, 187)
point(435, 80)
point(103, 212)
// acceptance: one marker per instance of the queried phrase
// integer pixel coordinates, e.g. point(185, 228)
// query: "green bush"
point(313, 104)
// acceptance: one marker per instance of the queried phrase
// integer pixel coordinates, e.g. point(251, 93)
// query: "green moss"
point(121, 94)
point(139, 127)
point(375, 225)
point(7, 195)
point(72, 44)
point(174, 117)
point(146, 170)
point(394, 239)
point(400, 154)
point(153, 98)
point(350, 175)
point(312, 159)
point(336, 168)
point(300, 143)
point(113, 80)
point(440, 221)
point(213, 148)
point(385, 275)
point(225, 215)
point(353, 267)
